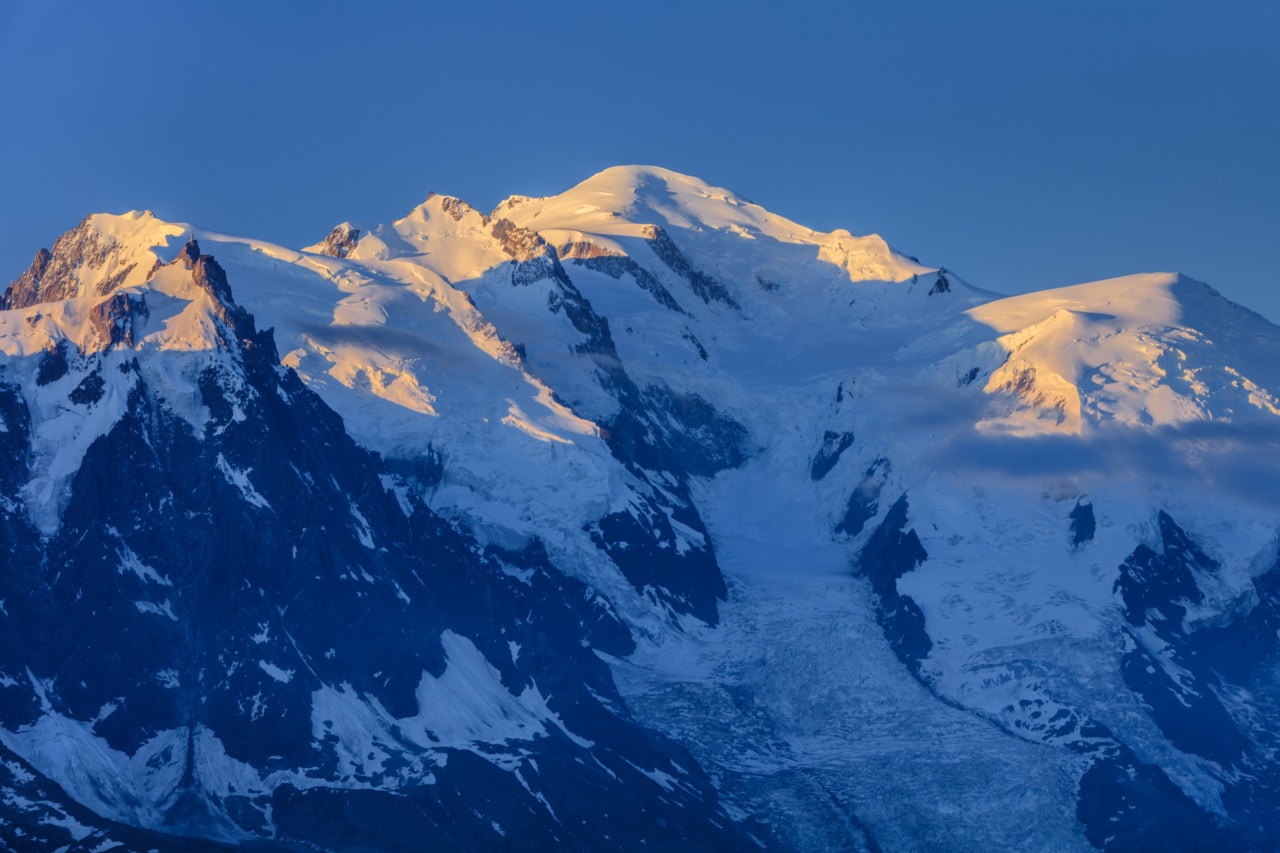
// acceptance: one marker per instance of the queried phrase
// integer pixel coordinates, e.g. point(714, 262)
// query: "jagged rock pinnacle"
point(190, 253)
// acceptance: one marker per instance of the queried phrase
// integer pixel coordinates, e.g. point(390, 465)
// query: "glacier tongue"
point(801, 710)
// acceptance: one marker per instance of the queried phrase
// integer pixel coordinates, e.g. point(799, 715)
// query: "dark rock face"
point(644, 545)
point(707, 288)
point(833, 445)
point(535, 258)
point(1128, 807)
point(653, 429)
point(697, 345)
point(219, 601)
point(677, 432)
point(656, 429)
point(15, 440)
point(1187, 673)
point(457, 208)
point(26, 290)
point(237, 325)
point(115, 321)
point(522, 244)
point(617, 266)
point(53, 275)
point(340, 241)
point(189, 254)
point(1162, 582)
point(889, 554)
point(1157, 589)
point(53, 363)
point(864, 503)
point(1083, 524)
point(89, 391)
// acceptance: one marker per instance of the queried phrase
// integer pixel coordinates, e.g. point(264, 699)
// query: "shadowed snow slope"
point(635, 514)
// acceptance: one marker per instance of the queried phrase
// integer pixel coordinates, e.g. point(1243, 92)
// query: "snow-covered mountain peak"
point(443, 234)
point(623, 199)
point(184, 303)
point(1139, 351)
point(78, 362)
point(510, 203)
point(339, 242)
point(718, 232)
point(625, 190)
point(102, 253)
point(436, 206)
point(640, 448)
point(1147, 299)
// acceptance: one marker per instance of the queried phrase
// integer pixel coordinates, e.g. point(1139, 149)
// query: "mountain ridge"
point(790, 503)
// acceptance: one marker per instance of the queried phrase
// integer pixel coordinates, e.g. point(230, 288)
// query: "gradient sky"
point(1022, 144)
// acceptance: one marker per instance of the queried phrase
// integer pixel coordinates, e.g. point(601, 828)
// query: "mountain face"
point(636, 515)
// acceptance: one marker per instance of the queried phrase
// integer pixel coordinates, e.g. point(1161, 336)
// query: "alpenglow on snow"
point(632, 516)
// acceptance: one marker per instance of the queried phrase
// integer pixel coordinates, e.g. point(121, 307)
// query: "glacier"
point(666, 518)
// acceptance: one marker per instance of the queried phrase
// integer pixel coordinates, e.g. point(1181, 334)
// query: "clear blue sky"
point(1022, 144)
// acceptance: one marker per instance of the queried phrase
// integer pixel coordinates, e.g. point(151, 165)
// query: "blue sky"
point(1022, 144)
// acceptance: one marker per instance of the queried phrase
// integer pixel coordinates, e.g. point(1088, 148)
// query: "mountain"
point(636, 515)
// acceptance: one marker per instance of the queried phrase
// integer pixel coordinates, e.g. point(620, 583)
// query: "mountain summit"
point(635, 515)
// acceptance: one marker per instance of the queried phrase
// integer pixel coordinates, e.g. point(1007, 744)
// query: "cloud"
point(1238, 460)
